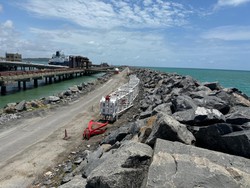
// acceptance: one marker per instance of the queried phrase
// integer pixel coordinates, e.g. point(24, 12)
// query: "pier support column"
point(50, 80)
point(24, 85)
point(3, 90)
point(46, 80)
point(19, 85)
point(35, 83)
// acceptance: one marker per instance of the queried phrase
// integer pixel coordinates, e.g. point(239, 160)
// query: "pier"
point(17, 65)
point(31, 72)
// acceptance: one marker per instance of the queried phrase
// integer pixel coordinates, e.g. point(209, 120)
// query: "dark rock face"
point(212, 85)
point(237, 143)
point(127, 167)
point(121, 133)
point(92, 161)
point(213, 102)
point(211, 136)
point(208, 116)
point(199, 116)
point(76, 182)
point(183, 102)
point(166, 127)
point(145, 114)
point(163, 108)
point(239, 115)
point(177, 165)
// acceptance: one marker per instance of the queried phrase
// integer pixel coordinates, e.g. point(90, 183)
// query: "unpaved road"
point(37, 144)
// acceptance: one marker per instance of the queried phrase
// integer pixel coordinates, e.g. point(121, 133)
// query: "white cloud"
point(228, 33)
point(8, 24)
point(223, 3)
point(6, 29)
point(10, 38)
point(115, 47)
point(112, 14)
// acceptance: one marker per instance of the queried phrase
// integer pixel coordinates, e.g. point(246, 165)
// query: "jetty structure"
point(12, 71)
point(112, 105)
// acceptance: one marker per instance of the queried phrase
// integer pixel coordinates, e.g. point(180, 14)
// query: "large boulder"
point(163, 108)
point(200, 116)
point(93, 160)
point(226, 96)
point(52, 99)
point(238, 115)
point(201, 93)
point(74, 89)
point(120, 133)
point(210, 137)
point(10, 108)
point(183, 102)
point(76, 182)
point(212, 85)
point(213, 102)
point(145, 128)
point(20, 106)
point(166, 127)
point(185, 117)
point(144, 105)
point(178, 165)
point(187, 83)
point(241, 100)
point(237, 143)
point(208, 116)
point(163, 90)
point(126, 167)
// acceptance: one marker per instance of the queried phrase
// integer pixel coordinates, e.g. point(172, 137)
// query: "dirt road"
point(35, 145)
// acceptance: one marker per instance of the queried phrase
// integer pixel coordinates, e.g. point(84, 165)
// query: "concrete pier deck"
point(8, 77)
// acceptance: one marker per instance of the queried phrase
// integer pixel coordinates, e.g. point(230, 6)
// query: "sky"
point(156, 33)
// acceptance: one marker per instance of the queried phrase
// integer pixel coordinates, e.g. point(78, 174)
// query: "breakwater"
point(169, 138)
point(226, 78)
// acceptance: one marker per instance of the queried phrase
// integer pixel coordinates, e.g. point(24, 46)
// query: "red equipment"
point(94, 128)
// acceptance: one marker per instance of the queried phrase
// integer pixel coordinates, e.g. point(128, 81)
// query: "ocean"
point(226, 78)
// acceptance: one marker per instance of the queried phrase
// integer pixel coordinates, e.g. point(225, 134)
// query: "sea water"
point(31, 93)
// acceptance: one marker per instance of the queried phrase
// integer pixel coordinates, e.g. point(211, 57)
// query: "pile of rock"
point(164, 146)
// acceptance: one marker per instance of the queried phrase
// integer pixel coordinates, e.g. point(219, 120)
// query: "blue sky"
point(179, 33)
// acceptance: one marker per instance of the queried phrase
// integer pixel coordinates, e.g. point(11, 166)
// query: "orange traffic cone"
point(66, 137)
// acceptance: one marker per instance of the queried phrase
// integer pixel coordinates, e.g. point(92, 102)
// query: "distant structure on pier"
point(71, 61)
point(13, 57)
point(79, 62)
point(104, 64)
